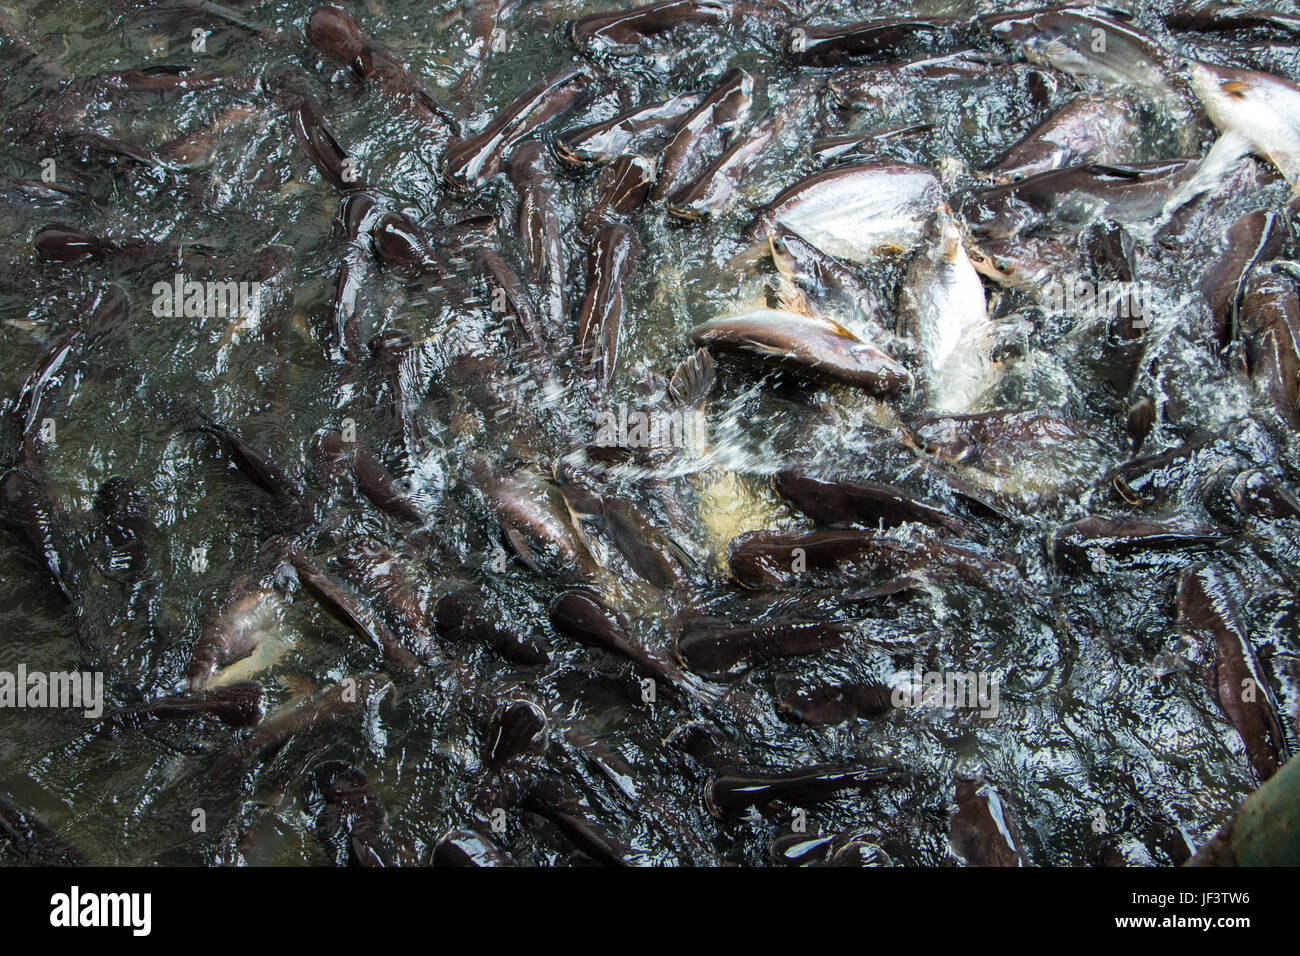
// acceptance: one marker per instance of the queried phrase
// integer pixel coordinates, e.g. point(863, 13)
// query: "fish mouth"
point(689, 213)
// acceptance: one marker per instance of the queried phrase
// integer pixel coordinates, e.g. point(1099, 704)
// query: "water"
point(1108, 743)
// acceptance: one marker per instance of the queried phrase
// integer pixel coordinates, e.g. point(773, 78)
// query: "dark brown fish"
point(470, 163)
point(556, 803)
point(470, 616)
point(833, 45)
point(335, 33)
point(538, 225)
point(584, 618)
point(352, 823)
point(336, 455)
point(862, 502)
point(621, 188)
point(623, 31)
point(730, 796)
point(466, 848)
point(1255, 237)
point(710, 192)
point(518, 728)
point(1095, 542)
point(719, 650)
point(1207, 612)
point(609, 263)
point(982, 831)
point(820, 703)
point(1085, 130)
point(232, 629)
point(703, 132)
point(600, 143)
point(515, 309)
point(238, 704)
point(1270, 328)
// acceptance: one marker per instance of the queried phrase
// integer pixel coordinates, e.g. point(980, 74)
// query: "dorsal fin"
point(692, 380)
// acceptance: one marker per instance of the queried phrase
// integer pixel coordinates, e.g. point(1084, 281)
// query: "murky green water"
point(1108, 743)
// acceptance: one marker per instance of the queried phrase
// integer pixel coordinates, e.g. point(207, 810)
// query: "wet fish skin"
point(1259, 495)
point(336, 33)
point(1255, 237)
point(555, 802)
point(1085, 544)
point(538, 225)
point(1270, 327)
point(397, 361)
point(1087, 129)
point(1207, 612)
point(466, 848)
point(585, 618)
point(468, 164)
point(703, 130)
point(839, 501)
point(720, 650)
point(858, 147)
point(982, 831)
point(333, 454)
point(710, 192)
point(855, 212)
point(828, 283)
point(609, 263)
point(519, 314)
point(232, 629)
point(27, 510)
point(1262, 109)
point(535, 521)
point(728, 796)
point(352, 815)
point(621, 188)
point(834, 45)
point(518, 728)
point(308, 125)
point(238, 705)
point(623, 31)
point(600, 143)
point(816, 347)
point(341, 603)
point(466, 615)
point(824, 704)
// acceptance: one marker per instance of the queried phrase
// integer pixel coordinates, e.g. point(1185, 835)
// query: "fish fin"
point(790, 298)
point(950, 248)
point(692, 380)
point(520, 547)
point(1235, 88)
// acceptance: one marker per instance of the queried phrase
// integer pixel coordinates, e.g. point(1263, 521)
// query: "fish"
point(720, 650)
point(397, 359)
point(106, 310)
point(583, 617)
point(234, 628)
point(833, 703)
point(294, 502)
point(535, 521)
point(1270, 328)
point(1260, 495)
point(1255, 237)
point(402, 244)
point(469, 164)
point(703, 131)
point(1094, 543)
point(465, 615)
point(621, 188)
point(1086, 43)
point(818, 347)
point(342, 603)
point(982, 831)
point(778, 559)
point(238, 704)
point(1086, 130)
point(518, 728)
point(28, 511)
point(609, 263)
point(397, 590)
point(538, 224)
point(600, 143)
point(827, 284)
point(352, 822)
point(1207, 613)
point(336, 33)
point(843, 501)
point(308, 125)
point(942, 306)
point(1259, 109)
point(1208, 17)
point(466, 848)
point(710, 192)
point(21, 831)
point(504, 286)
point(857, 147)
point(731, 796)
point(834, 45)
point(559, 805)
point(623, 31)
point(880, 86)
point(855, 212)
point(385, 491)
